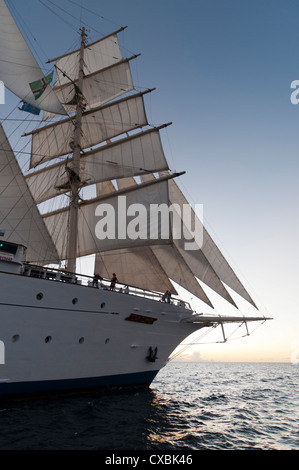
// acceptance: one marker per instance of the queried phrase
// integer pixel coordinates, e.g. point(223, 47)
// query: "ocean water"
point(189, 406)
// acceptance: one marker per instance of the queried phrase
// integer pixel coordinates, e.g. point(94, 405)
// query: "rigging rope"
point(195, 341)
point(60, 17)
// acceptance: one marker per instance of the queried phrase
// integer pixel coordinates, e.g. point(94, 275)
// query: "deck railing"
point(59, 275)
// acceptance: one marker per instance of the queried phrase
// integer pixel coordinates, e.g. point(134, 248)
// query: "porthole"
point(15, 338)
point(103, 304)
point(48, 339)
point(81, 340)
point(75, 300)
point(39, 296)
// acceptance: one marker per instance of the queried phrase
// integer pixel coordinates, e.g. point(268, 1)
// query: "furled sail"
point(18, 212)
point(19, 70)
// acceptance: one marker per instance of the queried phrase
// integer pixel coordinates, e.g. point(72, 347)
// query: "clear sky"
point(223, 71)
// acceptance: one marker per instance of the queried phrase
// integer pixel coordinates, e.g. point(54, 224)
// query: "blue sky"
point(223, 71)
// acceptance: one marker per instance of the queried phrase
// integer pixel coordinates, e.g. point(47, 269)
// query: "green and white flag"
point(39, 86)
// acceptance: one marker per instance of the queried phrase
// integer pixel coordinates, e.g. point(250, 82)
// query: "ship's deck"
point(58, 275)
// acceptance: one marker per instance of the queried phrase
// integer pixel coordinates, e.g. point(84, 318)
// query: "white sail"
point(106, 75)
point(97, 125)
point(179, 271)
point(182, 265)
point(98, 87)
point(134, 155)
point(106, 224)
point(156, 263)
point(18, 67)
point(211, 252)
point(202, 269)
point(18, 212)
point(104, 188)
point(97, 56)
point(134, 267)
point(168, 258)
point(123, 183)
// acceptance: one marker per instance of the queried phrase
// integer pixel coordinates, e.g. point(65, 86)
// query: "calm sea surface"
point(190, 406)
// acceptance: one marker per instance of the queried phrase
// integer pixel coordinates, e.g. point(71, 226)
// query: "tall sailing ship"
point(94, 150)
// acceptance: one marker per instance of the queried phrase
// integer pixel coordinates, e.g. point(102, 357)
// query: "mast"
point(74, 172)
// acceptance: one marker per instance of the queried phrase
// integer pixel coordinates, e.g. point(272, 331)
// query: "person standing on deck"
point(113, 282)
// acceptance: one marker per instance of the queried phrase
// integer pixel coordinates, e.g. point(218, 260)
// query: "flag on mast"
point(39, 86)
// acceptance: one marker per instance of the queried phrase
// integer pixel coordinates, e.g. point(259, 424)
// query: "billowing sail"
point(18, 213)
point(211, 253)
point(156, 263)
point(98, 87)
point(19, 70)
point(106, 74)
point(194, 258)
point(134, 267)
point(178, 264)
point(97, 56)
point(182, 266)
point(179, 271)
point(134, 155)
point(98, 125)
point(121, 220)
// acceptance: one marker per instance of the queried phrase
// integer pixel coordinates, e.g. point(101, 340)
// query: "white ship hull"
point(62, 337)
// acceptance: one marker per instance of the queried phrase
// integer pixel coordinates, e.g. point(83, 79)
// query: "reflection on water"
point(132, 420)
point(189, 406)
